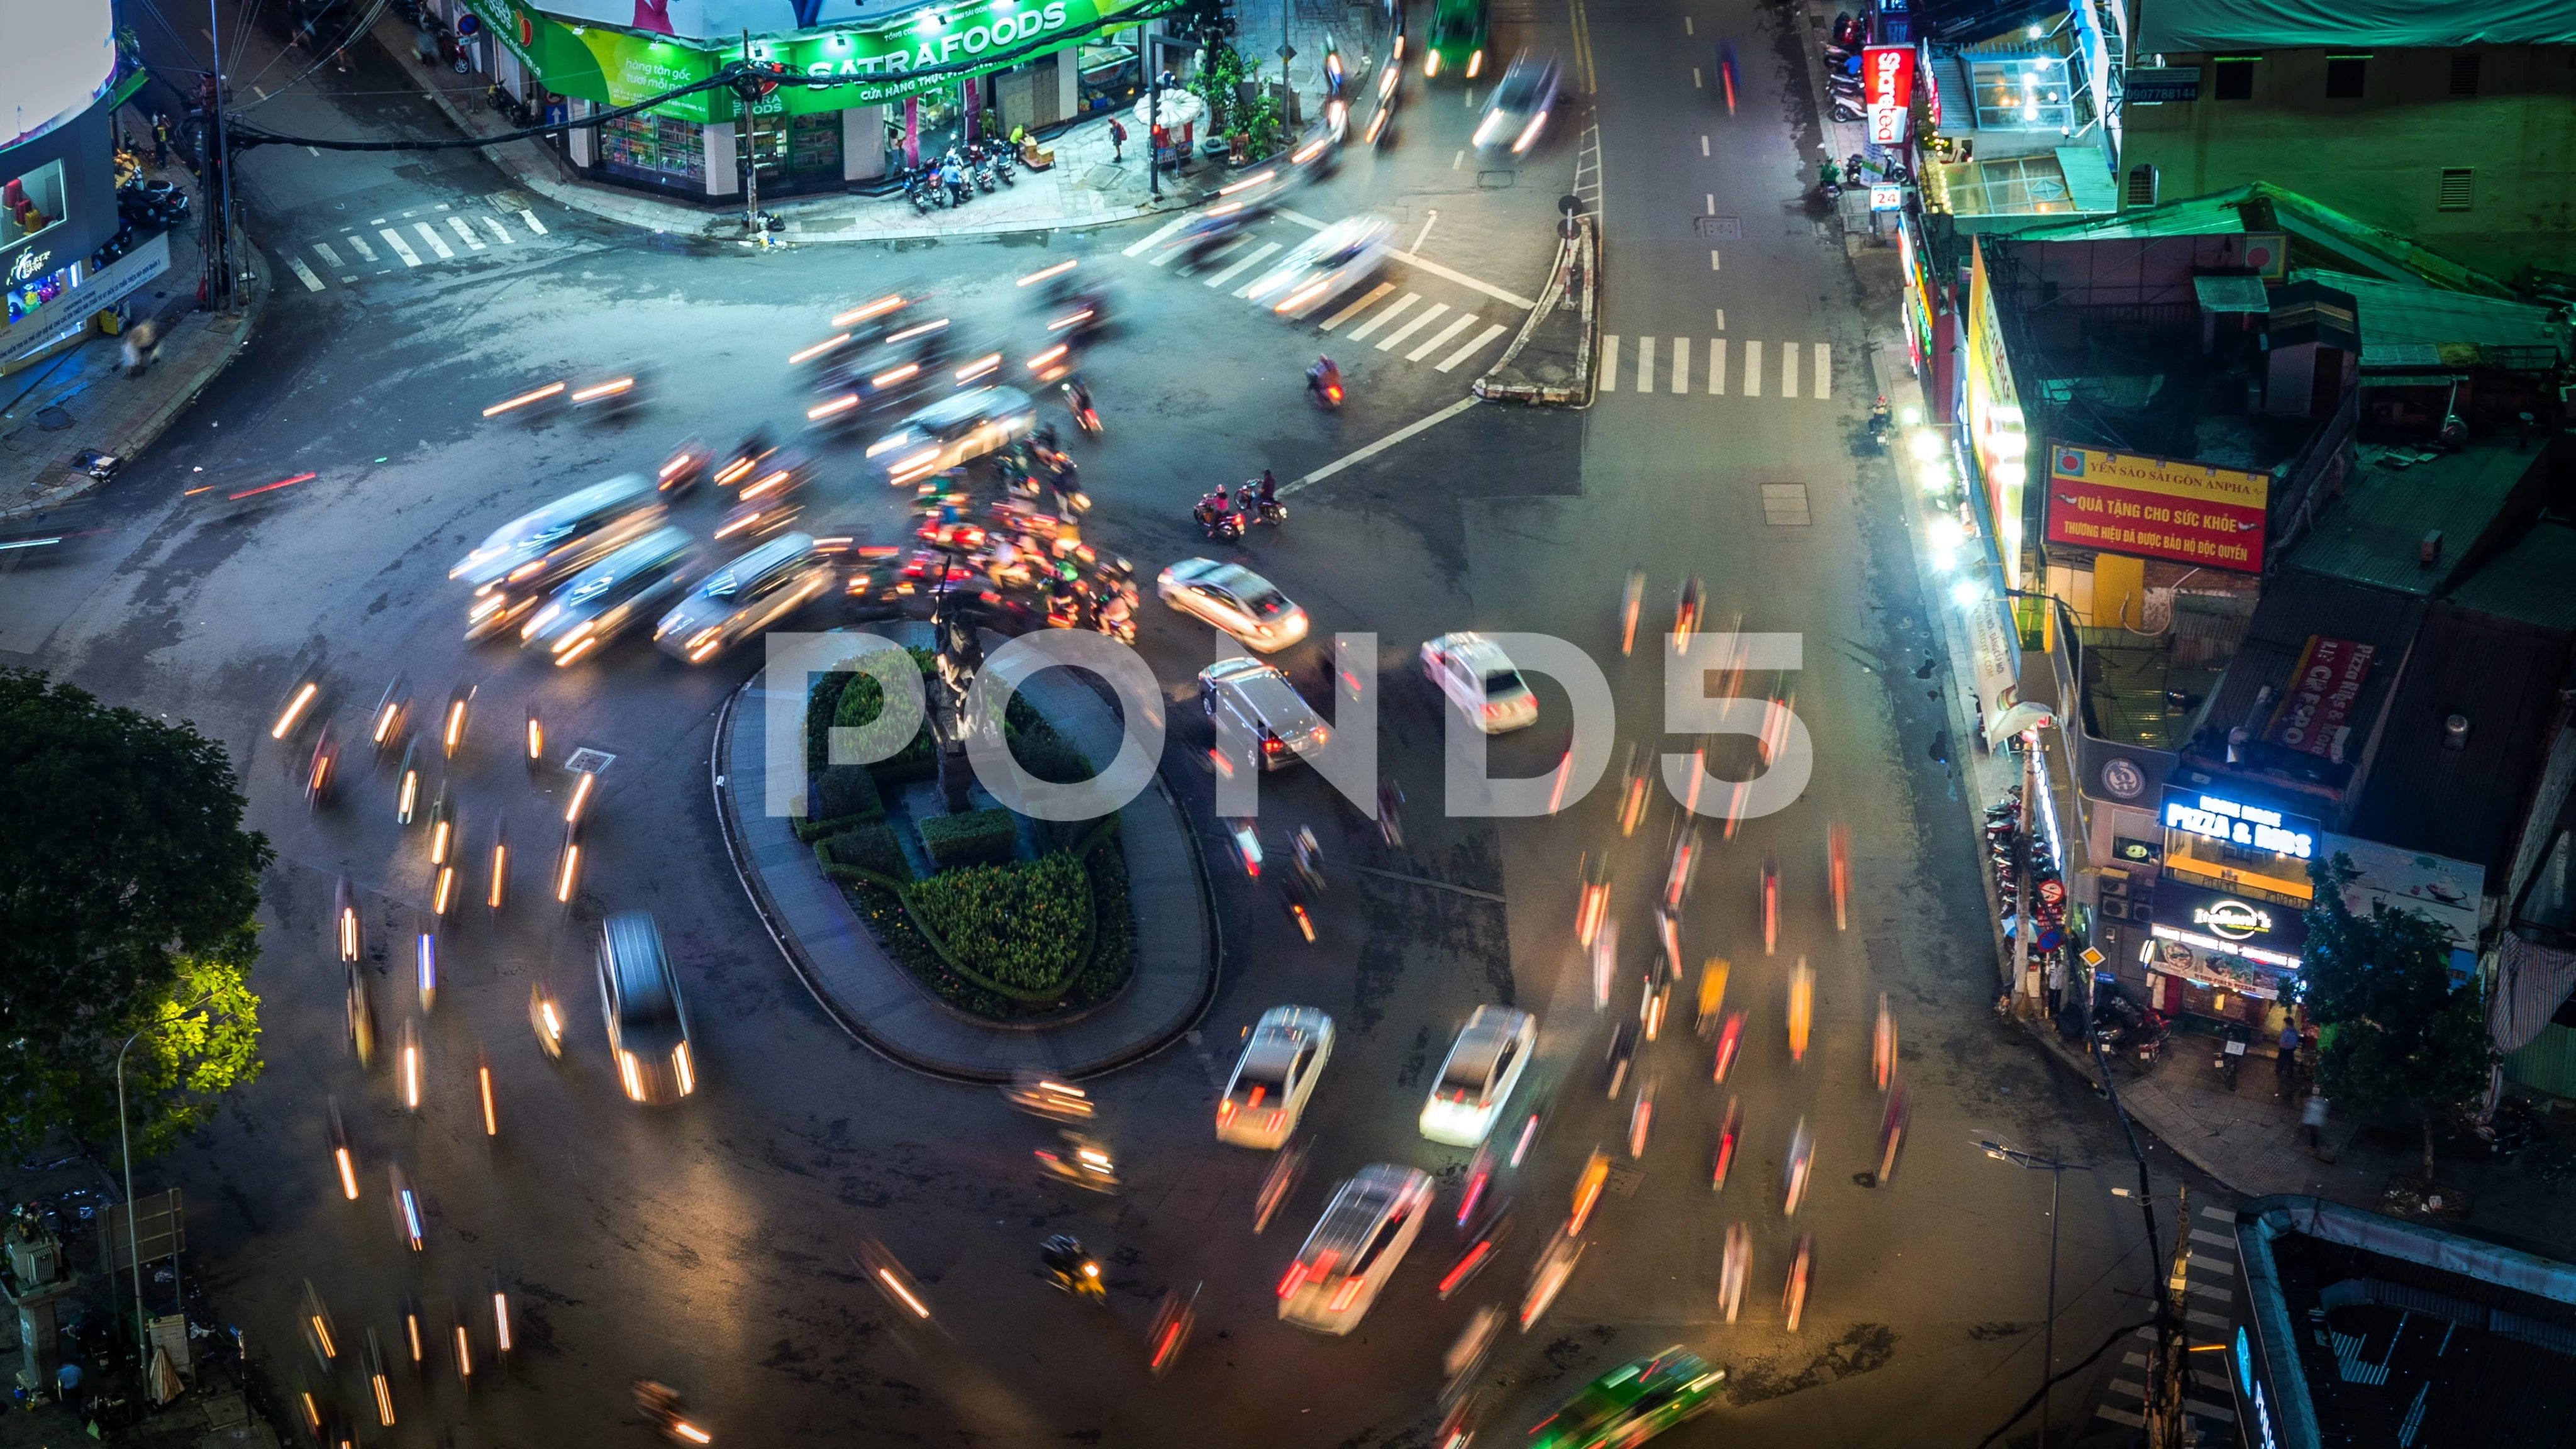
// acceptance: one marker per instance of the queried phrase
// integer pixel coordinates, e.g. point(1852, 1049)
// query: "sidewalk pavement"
point(1085, 187)
point(82, 400)
point(884, 1006)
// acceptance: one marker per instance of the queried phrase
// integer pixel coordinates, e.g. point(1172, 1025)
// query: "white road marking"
point(304, 274)
point(323, 250)
point(471, 240)
point(1695, 80)
point(2218, 1214)
point(1753, 369)
point(1824, 371)
point(499, 232)
point(1788, 369)
point(430, 235)
point(1681, 364)
point(1610, 363)
point(1424, 235)
point(1409, 328)
point(1483, 339)
point(312, 150)
point(1361, 332)
point(1437, 340)
point(1462, 279)
point(401, 248)
point(1703, 145)
point(1645, 364)
point(1299, 217)
point(1160, 232)
point(1717, 367)
point(2215, 1240)
point(1356, 308)
point(1250, 258)
point(1686, 26)
point(375, 221)
point(1712, 203)
point(1458, 160)
point(1721, 319)
point(1712, 259)
point(1380, 446)
point(359, 244)
point(534, 225)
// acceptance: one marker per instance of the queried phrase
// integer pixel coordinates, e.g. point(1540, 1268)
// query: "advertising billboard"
point(1994, 418)
point(60, 56)
point(2143, 507)
point(2315, 712)
point(1887, 84)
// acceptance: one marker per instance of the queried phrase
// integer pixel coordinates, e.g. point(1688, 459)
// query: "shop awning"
point(2194, 26)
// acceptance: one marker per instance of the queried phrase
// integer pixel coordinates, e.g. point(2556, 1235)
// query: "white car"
point(1235, 599)
point(1354, 1248)
point(1518, 110)
point(1480, 679)
point(1483, 1067)
point(953, 431)
point(1325, 265)
point(1282, 1057)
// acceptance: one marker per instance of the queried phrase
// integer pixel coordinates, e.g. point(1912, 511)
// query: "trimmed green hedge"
point(978, 837)
point(1026, 928)
point(844, 795)
point(867, 846)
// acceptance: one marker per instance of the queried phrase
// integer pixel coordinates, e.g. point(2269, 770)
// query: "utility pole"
point(2165, 1419)
point(219, 176)
point(750, 151)
point(1154, 124)
point(2056, 1167)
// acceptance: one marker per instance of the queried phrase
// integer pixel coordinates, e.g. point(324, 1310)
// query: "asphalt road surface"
point(714, 1246)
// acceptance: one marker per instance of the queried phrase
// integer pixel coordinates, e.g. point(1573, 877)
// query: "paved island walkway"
point(876, 1000)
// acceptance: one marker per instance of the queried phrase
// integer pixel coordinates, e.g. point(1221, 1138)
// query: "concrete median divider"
point(1551, 363)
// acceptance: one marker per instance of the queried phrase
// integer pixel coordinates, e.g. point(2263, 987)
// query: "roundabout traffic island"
point(976, 943)
point(1002, 917)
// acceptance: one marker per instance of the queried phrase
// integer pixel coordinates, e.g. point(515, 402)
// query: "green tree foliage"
point(127, 891)
point(2398, 1036)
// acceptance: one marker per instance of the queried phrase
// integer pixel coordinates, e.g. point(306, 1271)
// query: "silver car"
point(633, 584)
point(744, 597)
point(639, 997)
point(1250, 701)
point(522, 559)
point(1517, 114)
point(1325, 265)
point(954, 431)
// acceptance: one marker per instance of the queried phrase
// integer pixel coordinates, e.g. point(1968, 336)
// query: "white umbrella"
point(1179, 108)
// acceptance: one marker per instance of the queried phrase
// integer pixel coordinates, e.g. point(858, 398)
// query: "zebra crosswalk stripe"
point(1610, 362)
point(499, 232)
point(1492, 331)
point(1461, 323)
point(1139, 248)
point(1753, 369)
point(533, 224)
point(323, 250)
point(1681, 365)
point(1717, 367)
point(1238, 266)
point(430, 235)
point(401, 248)
point(1394, 309)
point(1420, 319)
point(467, 234)
point(1824, 371)
point(1788, 369)
point(304, 274)
point(1356, 308)
point(359, 245)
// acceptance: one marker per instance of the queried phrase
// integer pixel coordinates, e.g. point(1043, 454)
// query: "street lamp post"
point(125, 1149)
point(2056, 1171)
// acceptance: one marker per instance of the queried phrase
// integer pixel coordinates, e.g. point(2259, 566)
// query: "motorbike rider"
point(1267, 497)
point(1064, 1258)
point(1213, 508)
point(1324, 377)
point(1878, 417)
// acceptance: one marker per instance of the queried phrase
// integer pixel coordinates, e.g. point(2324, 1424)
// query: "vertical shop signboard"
point(1887, 84)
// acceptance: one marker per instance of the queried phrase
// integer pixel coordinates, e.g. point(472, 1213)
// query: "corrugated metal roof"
point(2533, 581)
point(2399, 314)
point(2500, 676)
point(2373, 534)
point(2294, 607)
point(2195, 216)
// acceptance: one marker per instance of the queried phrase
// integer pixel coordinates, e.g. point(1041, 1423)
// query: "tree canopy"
point(2398, 1035)
point(127, 893)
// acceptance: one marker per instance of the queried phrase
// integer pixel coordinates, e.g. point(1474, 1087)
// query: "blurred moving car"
point(613, 595)
point(1254, 698)
point(1235, 599)
point(1457, 44)
point(953, 431)
point(1517, 112)
point(639, 994)
point(1372, 1221)
point(1483, 1067)
point(1281, 1059)
point(1325, 265)
point(1634, 1403)
point(744, 597)
point(522, 559)
point(1480, 679)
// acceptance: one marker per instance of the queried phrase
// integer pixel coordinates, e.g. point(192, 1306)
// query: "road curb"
point(143, 434)
point(763, 906)
point(556, 184)
point(1578, 264)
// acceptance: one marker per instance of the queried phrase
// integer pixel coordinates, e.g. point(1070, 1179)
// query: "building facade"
point(2451, 123)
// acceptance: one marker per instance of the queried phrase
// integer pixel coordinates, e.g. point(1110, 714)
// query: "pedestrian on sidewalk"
point(142, 343)
point(160, 139)
point(2056, 983)
point(2285, 1066)
point(2313, 1118)
point(1117, 141)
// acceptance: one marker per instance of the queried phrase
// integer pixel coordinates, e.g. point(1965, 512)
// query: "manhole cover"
point(589, 761)
point(53, 420)
point(1784, 505)
point(1720, 228)
point(1493, 180)
point(1624, 1181)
